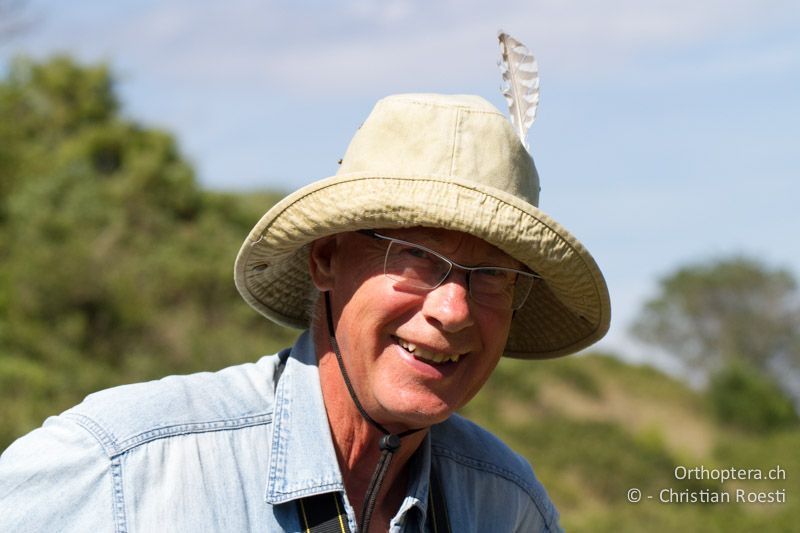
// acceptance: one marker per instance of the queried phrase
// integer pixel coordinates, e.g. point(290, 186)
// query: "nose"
point(447, 306)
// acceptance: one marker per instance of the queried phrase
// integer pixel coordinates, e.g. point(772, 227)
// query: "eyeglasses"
point(412, 266)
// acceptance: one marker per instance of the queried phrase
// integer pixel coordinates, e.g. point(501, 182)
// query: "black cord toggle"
point(390, 442)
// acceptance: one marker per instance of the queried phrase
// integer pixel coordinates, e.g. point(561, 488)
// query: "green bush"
point(743, 397)
point(115, 265)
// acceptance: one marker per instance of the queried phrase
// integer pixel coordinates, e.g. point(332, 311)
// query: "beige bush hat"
point(437, 161)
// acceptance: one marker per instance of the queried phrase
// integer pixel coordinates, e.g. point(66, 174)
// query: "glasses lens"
point(522, 288)
point(499, 288)
point(413, 266)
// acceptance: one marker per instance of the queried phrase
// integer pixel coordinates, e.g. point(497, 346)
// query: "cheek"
point(479, 376)
point(376, 302)
point(371, 315)
point(495, 328)
point(494, 334)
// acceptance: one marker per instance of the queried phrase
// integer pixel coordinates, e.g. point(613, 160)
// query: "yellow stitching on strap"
point(339, 513)
point(305, 518)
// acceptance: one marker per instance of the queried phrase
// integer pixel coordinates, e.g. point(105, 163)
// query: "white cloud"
point(239, 81)
point(363, 45)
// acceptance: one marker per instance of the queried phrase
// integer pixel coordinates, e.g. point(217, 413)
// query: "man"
point(415, 268)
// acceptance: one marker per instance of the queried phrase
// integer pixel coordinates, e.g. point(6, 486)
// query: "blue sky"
point(667, 131)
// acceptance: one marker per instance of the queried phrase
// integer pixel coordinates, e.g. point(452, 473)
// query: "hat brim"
point(567, 311)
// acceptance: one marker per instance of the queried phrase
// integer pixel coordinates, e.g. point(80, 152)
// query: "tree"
point(737, 321)
point(733, 309)
point(115, 265)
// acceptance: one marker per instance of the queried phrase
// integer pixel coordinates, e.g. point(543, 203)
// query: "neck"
point(356, 442)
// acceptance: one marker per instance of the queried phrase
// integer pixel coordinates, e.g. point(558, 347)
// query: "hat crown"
point(462, 136)
point(451, 162)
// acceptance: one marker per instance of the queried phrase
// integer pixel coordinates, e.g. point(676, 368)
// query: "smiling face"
point(413, 356)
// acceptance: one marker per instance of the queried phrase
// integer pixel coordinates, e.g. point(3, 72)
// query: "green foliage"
point(738, 321)
point(732, 309)
point(116, 266)
point(578, 377)
point(744, 397)
point(632, 431)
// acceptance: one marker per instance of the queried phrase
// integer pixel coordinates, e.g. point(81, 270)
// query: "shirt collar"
point(303, 460)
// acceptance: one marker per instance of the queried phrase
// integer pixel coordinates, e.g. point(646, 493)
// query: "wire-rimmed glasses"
point(413, 266)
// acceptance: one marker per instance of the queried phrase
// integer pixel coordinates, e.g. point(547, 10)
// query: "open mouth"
point(426, 355)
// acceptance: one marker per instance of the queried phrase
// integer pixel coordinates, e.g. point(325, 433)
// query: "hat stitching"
point(456, 128)
point(575, 252)
point(461, 107)
point(356, 177)
point(502, 213)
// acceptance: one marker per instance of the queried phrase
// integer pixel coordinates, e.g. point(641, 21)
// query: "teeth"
point(421, 353)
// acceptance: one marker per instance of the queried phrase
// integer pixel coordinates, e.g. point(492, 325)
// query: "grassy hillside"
point(594, 427)
point(116, 267)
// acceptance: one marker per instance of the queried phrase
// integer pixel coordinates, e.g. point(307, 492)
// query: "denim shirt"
point(234, 451)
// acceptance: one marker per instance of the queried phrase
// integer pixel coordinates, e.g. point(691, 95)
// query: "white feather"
point(520, 83)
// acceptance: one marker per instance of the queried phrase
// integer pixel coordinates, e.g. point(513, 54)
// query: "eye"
point(497, 274)
point(494, 279)
point(416, 253)
point(491, 272)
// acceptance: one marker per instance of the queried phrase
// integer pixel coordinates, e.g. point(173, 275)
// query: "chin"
point(420, 416)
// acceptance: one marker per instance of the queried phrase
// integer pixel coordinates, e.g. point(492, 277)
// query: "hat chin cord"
point(389, 442)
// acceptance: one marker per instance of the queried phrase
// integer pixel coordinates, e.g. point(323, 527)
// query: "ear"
point(320, 262)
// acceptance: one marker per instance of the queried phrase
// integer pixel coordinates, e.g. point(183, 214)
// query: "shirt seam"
point(114, 447)
point(118, 507)
point(508, 475)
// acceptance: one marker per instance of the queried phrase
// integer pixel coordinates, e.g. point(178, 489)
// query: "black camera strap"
point(324, 513)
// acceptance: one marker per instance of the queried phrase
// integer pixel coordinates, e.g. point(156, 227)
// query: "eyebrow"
point(434, 239)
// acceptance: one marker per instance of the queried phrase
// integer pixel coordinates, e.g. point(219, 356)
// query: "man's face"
point(390, 339)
